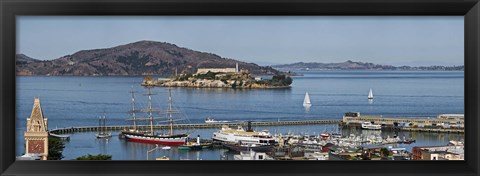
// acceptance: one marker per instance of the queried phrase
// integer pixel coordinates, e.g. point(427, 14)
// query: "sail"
point(306, 101)
point(370, 94)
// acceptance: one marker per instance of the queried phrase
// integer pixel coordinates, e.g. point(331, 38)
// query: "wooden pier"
point(194, 126)
point(411, 129)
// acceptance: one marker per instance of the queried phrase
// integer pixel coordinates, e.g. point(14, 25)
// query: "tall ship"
point(149, 136)
point(244, 137)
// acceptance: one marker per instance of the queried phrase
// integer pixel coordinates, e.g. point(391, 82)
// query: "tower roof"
point(37, 120)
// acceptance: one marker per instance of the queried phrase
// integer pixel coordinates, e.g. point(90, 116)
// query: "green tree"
point(280, 80)
point(95, 157)
point(55, 148)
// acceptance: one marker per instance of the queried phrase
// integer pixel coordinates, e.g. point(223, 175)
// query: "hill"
point(351, 65)
point(139, 58)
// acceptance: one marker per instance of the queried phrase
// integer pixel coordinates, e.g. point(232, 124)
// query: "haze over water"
point(78, 101)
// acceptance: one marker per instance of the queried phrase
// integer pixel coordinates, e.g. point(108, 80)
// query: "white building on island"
point(218, 70)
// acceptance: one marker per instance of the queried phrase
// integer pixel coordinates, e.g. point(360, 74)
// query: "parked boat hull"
point(106, 135)
point(190, 147)
point(157, 140)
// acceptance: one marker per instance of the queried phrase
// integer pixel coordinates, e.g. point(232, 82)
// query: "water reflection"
point(307, 109)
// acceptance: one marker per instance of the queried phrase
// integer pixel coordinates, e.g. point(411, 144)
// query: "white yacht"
point(370, 126)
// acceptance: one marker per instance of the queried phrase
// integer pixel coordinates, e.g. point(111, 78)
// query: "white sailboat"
point(306, 101)
point(102, 127)
point(370, 94)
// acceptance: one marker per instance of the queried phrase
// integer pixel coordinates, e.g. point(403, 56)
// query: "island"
point(221, 78)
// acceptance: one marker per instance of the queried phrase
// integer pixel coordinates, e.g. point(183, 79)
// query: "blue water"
point(78, 101)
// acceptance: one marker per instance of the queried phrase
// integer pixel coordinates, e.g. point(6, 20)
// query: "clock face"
point(35, 146)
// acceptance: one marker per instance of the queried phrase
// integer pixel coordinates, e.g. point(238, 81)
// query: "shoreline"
point(33, 75)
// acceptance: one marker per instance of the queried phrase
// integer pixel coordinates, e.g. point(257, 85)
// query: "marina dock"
point(199, 125)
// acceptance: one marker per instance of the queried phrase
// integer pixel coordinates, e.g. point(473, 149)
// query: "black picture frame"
point(470, 9)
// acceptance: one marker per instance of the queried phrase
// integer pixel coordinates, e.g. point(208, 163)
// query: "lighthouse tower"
point(236, 67)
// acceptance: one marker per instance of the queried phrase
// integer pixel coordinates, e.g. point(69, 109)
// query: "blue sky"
point(434, 40)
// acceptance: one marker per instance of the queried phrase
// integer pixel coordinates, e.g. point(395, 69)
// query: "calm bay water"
point(78, 101)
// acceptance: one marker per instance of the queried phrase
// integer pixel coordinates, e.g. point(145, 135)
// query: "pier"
point(444, 123)
point(198, 125)
point(411, 129)
point(346, 122)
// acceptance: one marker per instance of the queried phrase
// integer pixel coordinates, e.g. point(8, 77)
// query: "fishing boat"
point(143, 136)
point(102, 128)
point(370, 94)
point(306, 101)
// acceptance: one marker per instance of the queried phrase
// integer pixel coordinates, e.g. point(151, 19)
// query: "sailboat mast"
point(133, 110)
point(150, 110)
point(100, 123)
point(170, 110)
point(104, 124)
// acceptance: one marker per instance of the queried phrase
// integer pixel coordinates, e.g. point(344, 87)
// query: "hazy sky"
point(264, 40)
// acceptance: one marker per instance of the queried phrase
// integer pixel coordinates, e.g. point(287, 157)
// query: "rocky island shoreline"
point(220, 78)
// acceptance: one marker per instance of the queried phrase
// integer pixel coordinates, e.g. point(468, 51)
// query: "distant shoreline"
point(292, 73)
point(352, 65)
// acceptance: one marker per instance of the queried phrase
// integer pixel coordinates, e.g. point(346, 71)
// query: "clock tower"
point(36, 135)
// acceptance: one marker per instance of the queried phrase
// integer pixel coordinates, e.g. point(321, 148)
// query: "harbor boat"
point(370, 126)
point(370, 94)
point(336, 135)
point(101, 125)
point(239, 135)
point(166, 148)
point(408, 141)
point(190, 146)
point(306, 101)
point(136, 135)
point(194, 145)
point(239, 147)
point(212, 120)
point(252, 155)
point(324, 135)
